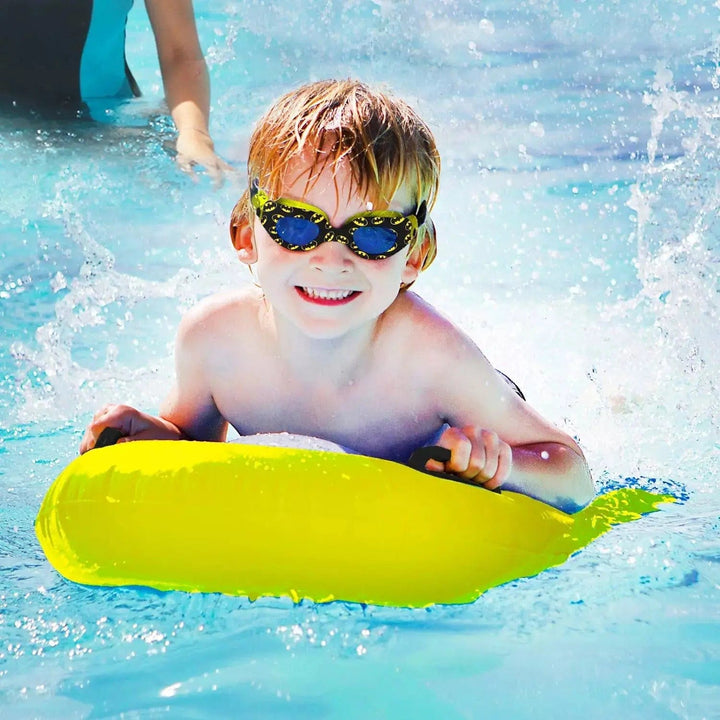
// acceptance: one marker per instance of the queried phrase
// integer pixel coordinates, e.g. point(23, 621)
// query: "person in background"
point(60, 55)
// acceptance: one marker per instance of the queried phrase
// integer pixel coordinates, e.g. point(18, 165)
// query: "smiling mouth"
point(325, 296)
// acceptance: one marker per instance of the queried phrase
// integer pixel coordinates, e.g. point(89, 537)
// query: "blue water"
point(578, 229)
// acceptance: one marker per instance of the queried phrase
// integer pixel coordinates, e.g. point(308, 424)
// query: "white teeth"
point(323, 294)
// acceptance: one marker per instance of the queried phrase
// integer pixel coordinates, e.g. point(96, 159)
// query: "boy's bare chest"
point(380, 414)
point(314, 404)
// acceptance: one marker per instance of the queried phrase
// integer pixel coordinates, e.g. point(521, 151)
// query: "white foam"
point(289, 440)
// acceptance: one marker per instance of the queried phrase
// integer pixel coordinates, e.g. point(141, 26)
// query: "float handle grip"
point(109, 436)
point(420, 457)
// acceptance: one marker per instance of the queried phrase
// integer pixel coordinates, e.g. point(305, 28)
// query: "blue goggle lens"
point(374, 240)
point(297, 231)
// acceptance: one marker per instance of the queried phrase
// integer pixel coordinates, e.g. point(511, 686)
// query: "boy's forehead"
point(305, 167)
point(311, 172)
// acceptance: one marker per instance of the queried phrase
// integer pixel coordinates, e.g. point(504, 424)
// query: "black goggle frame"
point(270, 212)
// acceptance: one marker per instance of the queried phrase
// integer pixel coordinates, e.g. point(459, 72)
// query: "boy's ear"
point(243, 241)
point(414, 264)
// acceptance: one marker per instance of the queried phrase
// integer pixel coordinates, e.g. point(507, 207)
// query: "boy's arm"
point(188, 413)
point(497, 439)
point(552, 471)
point(190, 405)
point(132, 423)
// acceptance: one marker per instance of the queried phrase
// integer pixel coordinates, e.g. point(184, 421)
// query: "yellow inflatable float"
point(275, 521)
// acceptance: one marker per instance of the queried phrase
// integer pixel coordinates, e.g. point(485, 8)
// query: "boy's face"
point(328, 291)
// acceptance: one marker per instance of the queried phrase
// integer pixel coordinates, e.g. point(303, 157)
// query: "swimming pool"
point(578, 239)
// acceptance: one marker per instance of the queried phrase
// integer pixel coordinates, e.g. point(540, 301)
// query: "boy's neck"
point(328, 360)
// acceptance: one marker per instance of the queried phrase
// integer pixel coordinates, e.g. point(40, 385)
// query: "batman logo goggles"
point(295, 225)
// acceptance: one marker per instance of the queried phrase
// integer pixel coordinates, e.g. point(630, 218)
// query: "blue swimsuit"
point(56, 52)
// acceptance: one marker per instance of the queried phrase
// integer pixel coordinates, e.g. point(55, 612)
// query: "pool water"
point(578, 236)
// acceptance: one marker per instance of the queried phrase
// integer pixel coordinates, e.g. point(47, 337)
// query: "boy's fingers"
point(492, 484)
point(502, 467)
point(434, 466)
point(478, 454)
point(475, 454)
point(491, 442)
point(85, 442)
point(91, 435)
point(102, 412)
point(476, 463)
point(460, 448)
point(120, 417)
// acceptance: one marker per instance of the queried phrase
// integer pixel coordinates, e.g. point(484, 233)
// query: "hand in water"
point(195, 147)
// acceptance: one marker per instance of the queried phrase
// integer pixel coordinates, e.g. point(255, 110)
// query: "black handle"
point(109, 436)
point(420, 457)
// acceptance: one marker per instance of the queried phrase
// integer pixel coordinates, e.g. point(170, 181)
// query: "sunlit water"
point(578, 229)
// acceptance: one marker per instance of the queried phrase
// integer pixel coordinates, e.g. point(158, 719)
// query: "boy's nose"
point(332, 256)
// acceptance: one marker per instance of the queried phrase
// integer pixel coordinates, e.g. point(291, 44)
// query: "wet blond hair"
point(385, 142)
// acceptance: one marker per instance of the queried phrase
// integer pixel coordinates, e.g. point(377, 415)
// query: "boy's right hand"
point(477, 454)
point(133, 424)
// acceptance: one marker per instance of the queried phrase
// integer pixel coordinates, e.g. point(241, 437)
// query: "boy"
point(330, 343)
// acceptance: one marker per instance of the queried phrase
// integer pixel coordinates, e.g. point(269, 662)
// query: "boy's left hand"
point(476, 454)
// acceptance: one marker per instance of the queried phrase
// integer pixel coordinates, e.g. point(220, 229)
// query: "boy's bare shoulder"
point(411, 314)
point(220, 315)
point(446, 362)
point(413, 326)
point(423, 330)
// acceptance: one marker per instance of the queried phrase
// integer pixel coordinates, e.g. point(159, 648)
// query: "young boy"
point(335, 225)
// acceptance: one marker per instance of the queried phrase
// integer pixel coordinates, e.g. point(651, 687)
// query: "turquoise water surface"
point(578, 245)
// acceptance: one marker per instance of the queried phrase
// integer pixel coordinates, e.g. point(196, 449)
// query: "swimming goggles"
point(296, 225)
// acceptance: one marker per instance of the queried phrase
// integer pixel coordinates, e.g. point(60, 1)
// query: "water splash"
point(674, 377)
point(59, 377)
